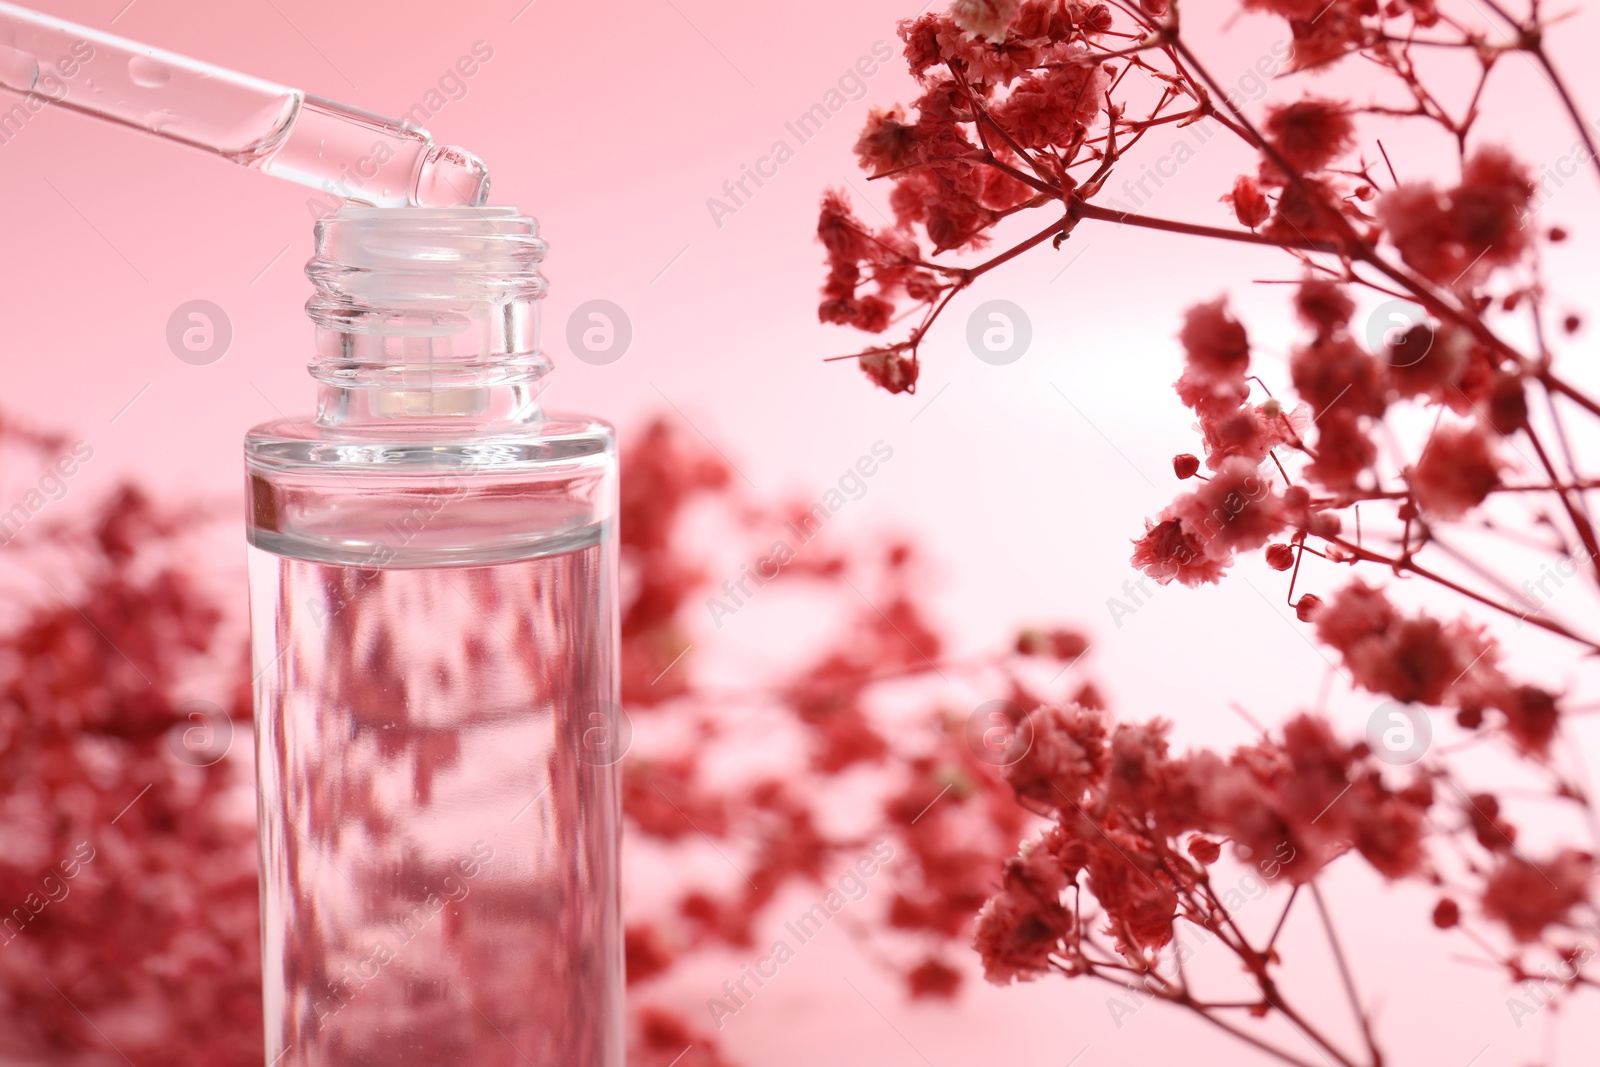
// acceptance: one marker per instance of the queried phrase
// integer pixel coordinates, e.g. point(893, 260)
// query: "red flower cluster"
point(1418, 659)
point(1529, 896)
point(128, 883)
point(1135, 828)
point(1353, 479)
point(1456, 472)
point(1460, 234)
point(999, 79)
point(1325, 31)
point(1197, 535)
point(148, 862)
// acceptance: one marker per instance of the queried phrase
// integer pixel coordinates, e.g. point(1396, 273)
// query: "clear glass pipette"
point(275, 129)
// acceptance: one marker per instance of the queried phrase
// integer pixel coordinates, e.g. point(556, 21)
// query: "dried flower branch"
point(1133, 829)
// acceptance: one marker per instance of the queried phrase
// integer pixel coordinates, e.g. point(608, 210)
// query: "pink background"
point(614, 123)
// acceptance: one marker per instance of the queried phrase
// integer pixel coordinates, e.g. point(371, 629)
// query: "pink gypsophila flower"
point(1053, 107)
point(1064, 755)
point(1416, 659)
point(1456, 472)
point(1216, 358)
point(1463, 233)
point(1344, 449)
point(1199, 532)
point(1311, 132)
point(1167, 551)
point(1234, 511)
point(1527, 896)
point(1014, 936)
point(988, 19)
point(1249, 204)
point(1252, 432)
point(887, 141)
point(1323, 305)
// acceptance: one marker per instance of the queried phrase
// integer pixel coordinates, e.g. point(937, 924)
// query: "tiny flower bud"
point(1184, 465)
point(1557, 234)
point(1469, 717)
point(1280, 557)
point(1407, 511)
point(1250, 205)
point(1571, 323)
point(1508, 405)
point(1446, 914)
point(1064, 645)
point(1418, 791)
point(1204, 850)
point(1089, 697)
point(1325, 524)
point(1306, 608)
point(1068, 644)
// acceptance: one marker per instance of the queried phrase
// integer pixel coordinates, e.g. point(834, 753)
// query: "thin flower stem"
point(1357, 248)
point(1061, 225)
point(982, 114)
point(1578, 486)
point(1483, 572)
point(1184, 1000)
point(1584, 528)
point(1086, 210)
point(1345, 976)
point(1052, 191)
point(1569, 103)
point(1250, 1039)
point(1531, 41)
point(1242, 947)
point(1277, 929)
point(1422, 572)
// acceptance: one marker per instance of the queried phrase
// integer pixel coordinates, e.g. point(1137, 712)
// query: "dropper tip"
point(451, 177)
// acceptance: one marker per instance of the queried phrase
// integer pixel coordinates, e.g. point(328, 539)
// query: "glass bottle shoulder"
point(419, 492)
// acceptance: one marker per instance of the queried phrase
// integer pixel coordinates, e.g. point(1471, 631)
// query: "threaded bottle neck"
point(427, 314)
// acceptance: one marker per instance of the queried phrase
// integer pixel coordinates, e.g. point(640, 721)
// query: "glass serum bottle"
point(434, 629)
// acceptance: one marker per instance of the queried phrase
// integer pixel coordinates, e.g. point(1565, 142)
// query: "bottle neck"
point(427, 319)
point(474, 409)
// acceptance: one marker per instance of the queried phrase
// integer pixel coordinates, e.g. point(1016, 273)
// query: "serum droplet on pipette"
point(148, 73)
point(19, 71)
point(451, 177)
point(337, 149)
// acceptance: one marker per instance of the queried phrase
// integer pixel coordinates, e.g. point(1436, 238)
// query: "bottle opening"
point(427, 297)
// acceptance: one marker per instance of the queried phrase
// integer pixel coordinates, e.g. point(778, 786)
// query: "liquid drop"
point(18, 70)
point(148, 73)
